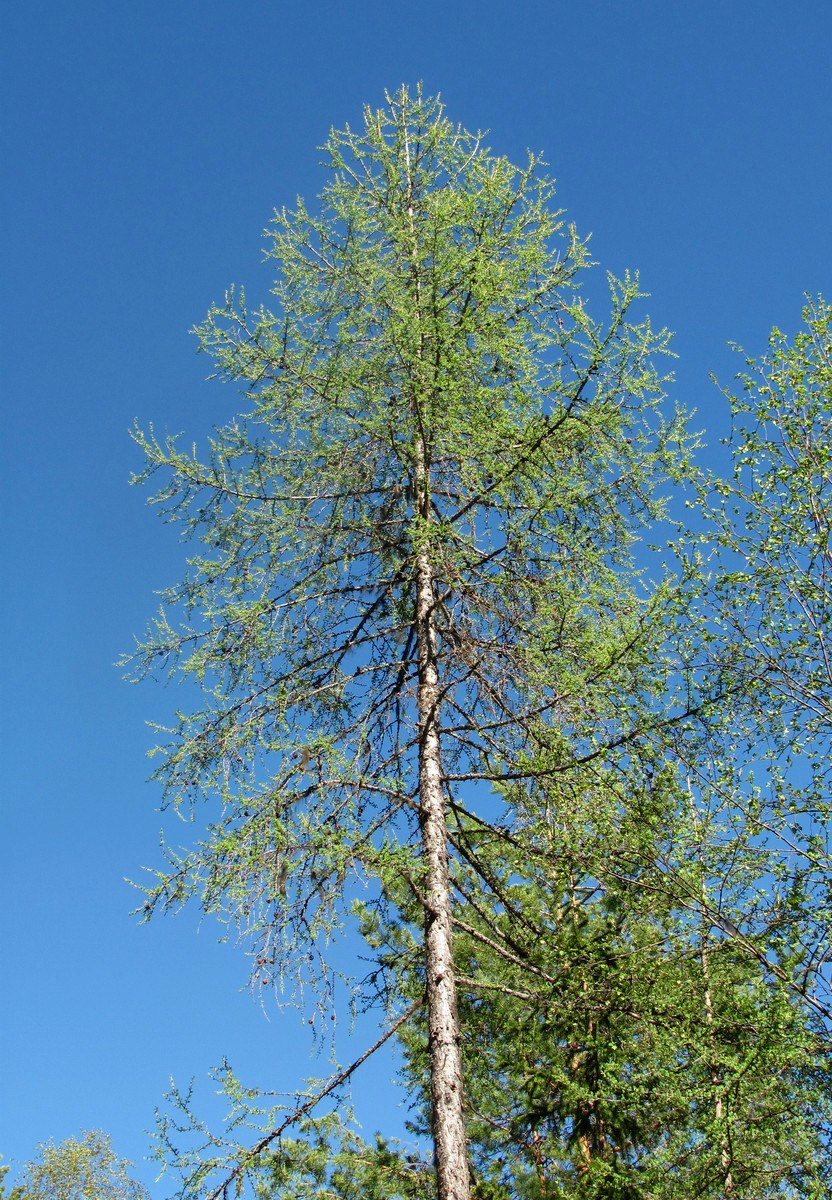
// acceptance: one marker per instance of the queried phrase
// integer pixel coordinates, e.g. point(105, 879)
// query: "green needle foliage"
point(327, 1158)
point(621, 1043)
point(411, 600)
point(633, 1021)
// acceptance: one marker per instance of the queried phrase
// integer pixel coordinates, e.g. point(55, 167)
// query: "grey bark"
point(447, 1111)
point(728, 1186)
point(444, 1050)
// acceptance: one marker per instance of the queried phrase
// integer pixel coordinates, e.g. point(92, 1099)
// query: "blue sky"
point(144, 148)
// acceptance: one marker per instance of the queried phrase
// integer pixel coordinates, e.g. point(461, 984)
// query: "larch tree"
point(412, 591)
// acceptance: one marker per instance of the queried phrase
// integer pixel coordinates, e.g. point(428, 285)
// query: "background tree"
point(722, 1013)
point(415, 591)
point(688, 1039)
point(622, 1038)
point(85, 1168)
point(707, 983)
point(16, 1192)
point(773, 524)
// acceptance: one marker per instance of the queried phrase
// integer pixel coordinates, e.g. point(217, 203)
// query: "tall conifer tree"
point(413, 592)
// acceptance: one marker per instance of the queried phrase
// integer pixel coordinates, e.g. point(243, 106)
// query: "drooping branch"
point(249, 1160)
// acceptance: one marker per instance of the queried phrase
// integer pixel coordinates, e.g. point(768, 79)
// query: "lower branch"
point(221, 1191)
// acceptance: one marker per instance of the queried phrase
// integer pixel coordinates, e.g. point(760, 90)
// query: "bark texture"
point(443, 1023)
point(728, 1188)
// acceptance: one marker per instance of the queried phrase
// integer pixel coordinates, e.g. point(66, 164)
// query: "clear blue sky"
point(144, 146)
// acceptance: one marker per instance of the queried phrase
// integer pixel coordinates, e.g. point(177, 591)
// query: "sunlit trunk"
point(443, 1022)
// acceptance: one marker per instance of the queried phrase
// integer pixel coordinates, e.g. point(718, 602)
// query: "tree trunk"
point(447, 1116)
point(728, 1187)
point(577, 1063)
point(443, 1023)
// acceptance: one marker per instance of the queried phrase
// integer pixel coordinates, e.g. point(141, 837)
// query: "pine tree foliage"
point(656, 1050)
point(621, 1036)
